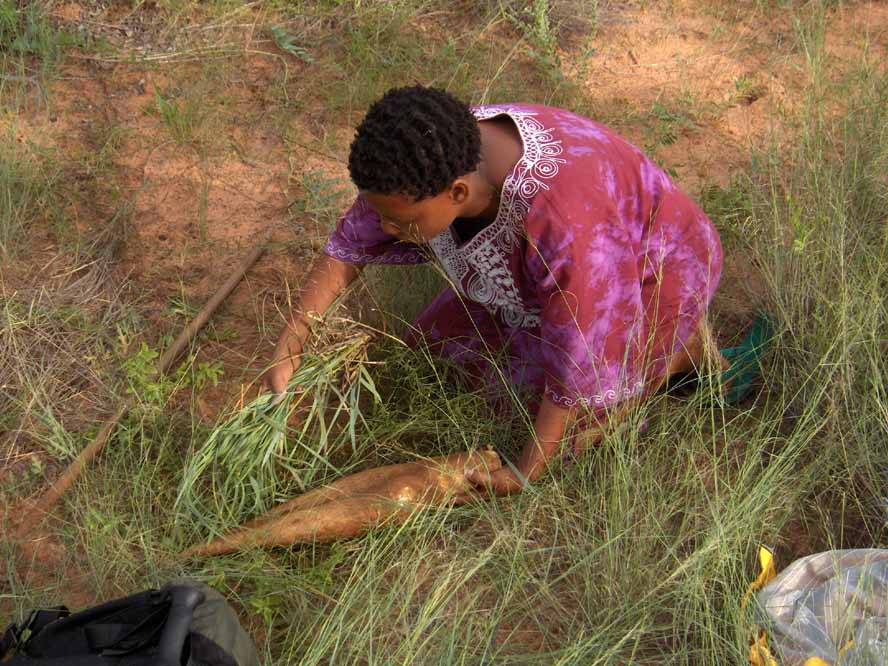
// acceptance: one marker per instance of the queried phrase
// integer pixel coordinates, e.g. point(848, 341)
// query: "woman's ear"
point(459, 191)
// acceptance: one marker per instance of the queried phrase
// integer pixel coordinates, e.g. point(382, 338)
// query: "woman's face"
point(415, 221)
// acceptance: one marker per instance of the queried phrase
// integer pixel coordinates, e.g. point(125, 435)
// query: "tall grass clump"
point(271, 449)
point(28, 191)
point(804, 469)
point(823, 246)
point(57, 324)
point(25, 30)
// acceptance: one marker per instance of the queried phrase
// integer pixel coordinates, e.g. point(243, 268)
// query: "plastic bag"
point(829, 608)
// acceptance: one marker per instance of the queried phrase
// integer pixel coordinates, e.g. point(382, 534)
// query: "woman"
point(567, 250)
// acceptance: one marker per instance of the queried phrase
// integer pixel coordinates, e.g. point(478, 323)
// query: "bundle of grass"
point(275, 446)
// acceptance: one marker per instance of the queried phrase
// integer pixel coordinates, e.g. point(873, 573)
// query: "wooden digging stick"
point(70, 475)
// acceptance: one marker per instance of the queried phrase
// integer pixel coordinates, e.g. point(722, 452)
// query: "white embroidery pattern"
point(609, 397)
point(491, 283)
point(405, 256)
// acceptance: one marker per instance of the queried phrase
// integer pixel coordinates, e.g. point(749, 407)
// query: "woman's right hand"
point(286, 360)
point(326, 280)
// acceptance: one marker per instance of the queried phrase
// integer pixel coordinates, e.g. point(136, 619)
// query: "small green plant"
point(746, 91)
point(182, 118)
point(730, 208)
point(534, 21)
point(320, 199)
point(672, 121)
point(206, 373)
point(287, 42)
point(542, 33)
point(9, 23)
point(26, 31)
point(142, 379)
point(27, 189)
point(58, 441)
point(742, 84)
point(153, 390)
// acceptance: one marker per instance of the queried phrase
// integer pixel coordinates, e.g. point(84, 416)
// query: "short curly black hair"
point(414, 141)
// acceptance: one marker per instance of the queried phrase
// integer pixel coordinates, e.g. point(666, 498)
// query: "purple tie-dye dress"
point(595, 270)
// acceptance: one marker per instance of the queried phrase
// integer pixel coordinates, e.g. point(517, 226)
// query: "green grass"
point(26, 31)
point(637, 553)
point(501, 54)
point(28, 188)
point(255, 458)
point(56, 342)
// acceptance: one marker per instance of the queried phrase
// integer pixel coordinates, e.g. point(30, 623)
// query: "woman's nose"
point(390, 228)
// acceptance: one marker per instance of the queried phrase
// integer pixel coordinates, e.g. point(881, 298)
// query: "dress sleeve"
point(591, 320)
point(359, 239)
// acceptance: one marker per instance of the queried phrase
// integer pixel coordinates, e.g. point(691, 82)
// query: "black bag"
point(182, 623)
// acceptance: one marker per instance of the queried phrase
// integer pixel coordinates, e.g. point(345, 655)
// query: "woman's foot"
point(737, 366)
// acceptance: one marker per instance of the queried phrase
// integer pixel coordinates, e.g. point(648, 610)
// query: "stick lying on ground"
point(352, 505)
point(43, 505)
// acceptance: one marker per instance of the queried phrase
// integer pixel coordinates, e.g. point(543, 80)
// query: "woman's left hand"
point(501, 482)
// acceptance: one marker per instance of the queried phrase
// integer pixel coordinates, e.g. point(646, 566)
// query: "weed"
point(287, 42)
point(535, 23)
point(28, 188)
point(667, 123)
point(54, 346)
point(26, 31)
point(183, 119)
point(731, 209)
point(320, 200)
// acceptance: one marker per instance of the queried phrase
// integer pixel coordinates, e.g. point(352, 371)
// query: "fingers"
point(479, 477)
point(271, 382)
point(278, 376)
point(279, 383)
point(500, 482)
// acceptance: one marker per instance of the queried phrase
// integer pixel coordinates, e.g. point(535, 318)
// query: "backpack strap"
point(13, 635)
point(178, 625)
point(9, 640)
point(38, 619)
point(117, 638)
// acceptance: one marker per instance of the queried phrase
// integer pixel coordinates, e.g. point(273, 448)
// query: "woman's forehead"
point(394, 204)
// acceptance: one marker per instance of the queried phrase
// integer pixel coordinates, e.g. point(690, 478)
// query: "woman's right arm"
point(326, 280)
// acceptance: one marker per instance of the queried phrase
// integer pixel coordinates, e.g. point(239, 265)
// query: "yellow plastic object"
point(816, 661)
point(760, 653)
point(767, 574)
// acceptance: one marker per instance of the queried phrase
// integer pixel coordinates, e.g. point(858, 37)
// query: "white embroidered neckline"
point(486, 254)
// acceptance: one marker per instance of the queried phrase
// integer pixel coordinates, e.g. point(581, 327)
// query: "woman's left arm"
point(549, 427)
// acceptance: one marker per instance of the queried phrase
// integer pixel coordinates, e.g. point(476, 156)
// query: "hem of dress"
point(606, 399)
point(350, 257)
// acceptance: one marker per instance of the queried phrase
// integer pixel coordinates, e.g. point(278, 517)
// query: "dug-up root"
point(350, 506)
